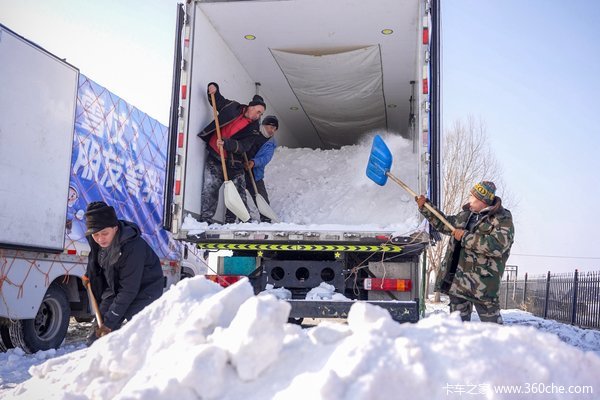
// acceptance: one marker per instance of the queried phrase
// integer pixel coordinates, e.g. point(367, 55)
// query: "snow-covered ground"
point(202, 341)
point(229, 344)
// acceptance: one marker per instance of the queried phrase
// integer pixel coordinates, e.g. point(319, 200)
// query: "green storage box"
point(238, 265)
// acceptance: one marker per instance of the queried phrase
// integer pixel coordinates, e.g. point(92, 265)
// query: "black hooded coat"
point(126, 276)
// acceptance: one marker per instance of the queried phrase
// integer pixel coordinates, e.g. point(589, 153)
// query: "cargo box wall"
point(38, 92)
point(215, 62)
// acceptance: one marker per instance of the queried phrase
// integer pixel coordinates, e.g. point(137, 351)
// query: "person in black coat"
point(238, 122)
point(124, 272)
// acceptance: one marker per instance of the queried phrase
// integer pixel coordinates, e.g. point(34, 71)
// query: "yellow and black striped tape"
point(389, 248)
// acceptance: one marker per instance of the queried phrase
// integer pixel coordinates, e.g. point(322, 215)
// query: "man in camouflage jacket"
point(480, 245)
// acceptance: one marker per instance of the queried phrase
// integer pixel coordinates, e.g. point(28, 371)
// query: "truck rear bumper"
point(401, 311)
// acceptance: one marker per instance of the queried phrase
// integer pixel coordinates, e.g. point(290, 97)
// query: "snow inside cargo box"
point(329, 190)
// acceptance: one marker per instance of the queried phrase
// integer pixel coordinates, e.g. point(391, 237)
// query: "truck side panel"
point(119, 156)
point(27, 276)
point(37, 107)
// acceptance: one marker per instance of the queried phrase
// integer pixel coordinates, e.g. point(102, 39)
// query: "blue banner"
point(119, 156)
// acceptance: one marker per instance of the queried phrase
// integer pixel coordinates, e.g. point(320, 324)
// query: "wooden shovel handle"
point(218, 127)
point(427, 204)
point(251, 174)
point(95, 307)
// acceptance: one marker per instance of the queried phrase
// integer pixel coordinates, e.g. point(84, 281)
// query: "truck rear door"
point(173, 212)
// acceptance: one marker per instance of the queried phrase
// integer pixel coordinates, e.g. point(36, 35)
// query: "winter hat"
point(98, 216)
point(271, 120)
point(257, 101)
point(485, 191)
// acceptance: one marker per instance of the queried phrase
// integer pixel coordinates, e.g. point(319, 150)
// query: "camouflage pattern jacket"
point(473, 267)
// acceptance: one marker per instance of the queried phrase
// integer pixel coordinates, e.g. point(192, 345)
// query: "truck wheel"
point(186, 274)
point(295, 321)
point(5, 342)
point(49, 327)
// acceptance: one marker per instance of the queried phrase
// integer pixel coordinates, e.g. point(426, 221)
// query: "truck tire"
point(49, 327)
point(185, 274)
point(5, 342)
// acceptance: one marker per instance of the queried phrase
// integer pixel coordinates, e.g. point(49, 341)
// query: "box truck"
point(332, 72)
point(66, 141)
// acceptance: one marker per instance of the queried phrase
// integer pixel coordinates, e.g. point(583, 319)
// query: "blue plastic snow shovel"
point(378, 170)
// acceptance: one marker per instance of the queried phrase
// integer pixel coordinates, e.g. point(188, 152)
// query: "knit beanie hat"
point(271, 120)
point(98, 216)
point(485, 191)
point(257, 101)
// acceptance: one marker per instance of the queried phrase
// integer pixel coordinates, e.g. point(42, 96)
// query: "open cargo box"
point(332, 72)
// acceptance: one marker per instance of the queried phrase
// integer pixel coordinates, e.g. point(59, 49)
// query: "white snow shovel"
point(263, 207)
point(229, 197)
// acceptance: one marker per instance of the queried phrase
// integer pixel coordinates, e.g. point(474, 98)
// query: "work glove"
point(421, 200)
point(103, 330)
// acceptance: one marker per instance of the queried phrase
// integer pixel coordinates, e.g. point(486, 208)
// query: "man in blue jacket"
point(259, 156)
point(123, 270)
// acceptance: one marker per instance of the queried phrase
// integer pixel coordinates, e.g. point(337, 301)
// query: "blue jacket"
point(262, 158)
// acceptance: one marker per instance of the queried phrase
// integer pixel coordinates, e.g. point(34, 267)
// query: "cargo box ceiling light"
point(341, 93)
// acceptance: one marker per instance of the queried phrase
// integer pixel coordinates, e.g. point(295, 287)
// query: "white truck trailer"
point(331, 71)
point(66, 141)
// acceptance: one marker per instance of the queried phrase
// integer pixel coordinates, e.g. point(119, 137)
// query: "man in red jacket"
point(238, 123)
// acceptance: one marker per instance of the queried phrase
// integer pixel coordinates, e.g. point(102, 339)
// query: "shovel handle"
point(251, 174)
point(427, 204)
point(218, 127)
point(94, 303)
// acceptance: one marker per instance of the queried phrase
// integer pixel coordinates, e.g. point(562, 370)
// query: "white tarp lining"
point(341, 93)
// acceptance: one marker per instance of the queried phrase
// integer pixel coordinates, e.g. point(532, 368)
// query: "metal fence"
point(573, 298)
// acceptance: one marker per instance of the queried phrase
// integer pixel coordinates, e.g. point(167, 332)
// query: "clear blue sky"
point(527, 68)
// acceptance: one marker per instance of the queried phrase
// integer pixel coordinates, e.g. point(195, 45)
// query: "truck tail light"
point(224, 280)
point(393, 285)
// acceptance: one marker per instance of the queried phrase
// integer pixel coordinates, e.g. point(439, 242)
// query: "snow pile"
point(15, 363)
point(329, 190)
point(201, 341)
point(325, 291)
point(331, 187)
point(585, 339)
